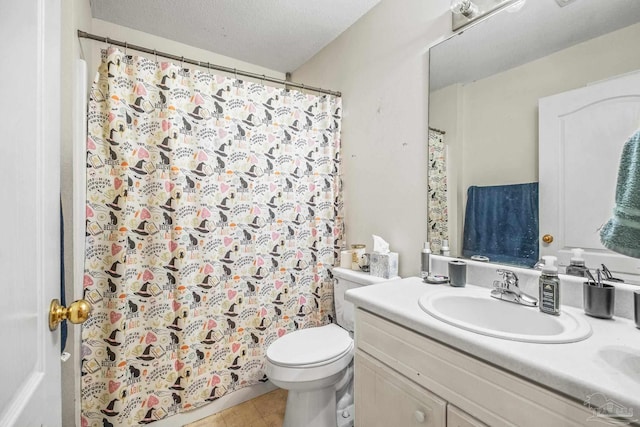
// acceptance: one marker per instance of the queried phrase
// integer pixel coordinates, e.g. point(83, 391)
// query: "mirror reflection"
point(487, 87)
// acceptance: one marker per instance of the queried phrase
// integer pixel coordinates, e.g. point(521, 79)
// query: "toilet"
point(316, 364)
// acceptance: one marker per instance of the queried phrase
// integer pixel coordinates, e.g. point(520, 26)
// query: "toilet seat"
point(311, 355)
point(312, 347)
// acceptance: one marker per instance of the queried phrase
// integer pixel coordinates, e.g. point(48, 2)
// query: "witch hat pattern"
point(227, 258)
point(213, 394)
point(200, 169)
point(168, 205)
point(143, 291)
point(109, 410)
point(112, 338)
point(164, 145)
point(141, 229)
point(146, 354)
point(209, 339)
point(177, 385)
point(175, 325)
point(148, 418)
point(115, 204)
point(182, 156)
point(172, 265)
point(199, 113)
point(220, 151)
point(113, 270)
point(137, 104)
point(219, 95)
point(223, 204)
point(205, 284)
point(139, 167)
point(163, 83)
point(203, 227)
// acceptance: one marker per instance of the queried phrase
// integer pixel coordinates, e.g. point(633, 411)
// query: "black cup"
point(598, 300)
point(457, 273)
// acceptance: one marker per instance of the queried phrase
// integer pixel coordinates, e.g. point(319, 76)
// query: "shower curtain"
point(437, 211)
point(213, 214)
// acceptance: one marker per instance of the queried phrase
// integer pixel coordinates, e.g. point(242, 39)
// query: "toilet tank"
point(346, 279)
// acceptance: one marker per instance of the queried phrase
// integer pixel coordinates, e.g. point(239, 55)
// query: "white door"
point(582, 133)
point(29, 211)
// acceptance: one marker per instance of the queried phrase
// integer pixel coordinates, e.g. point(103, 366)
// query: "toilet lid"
point(310, 346)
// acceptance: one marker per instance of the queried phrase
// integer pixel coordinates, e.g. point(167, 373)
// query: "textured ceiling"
point(539, 28)
point(277, 34)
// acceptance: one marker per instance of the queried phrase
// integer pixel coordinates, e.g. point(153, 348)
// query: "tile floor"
point(263, 411)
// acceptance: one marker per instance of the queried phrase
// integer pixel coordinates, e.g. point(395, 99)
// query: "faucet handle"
point(510, 277)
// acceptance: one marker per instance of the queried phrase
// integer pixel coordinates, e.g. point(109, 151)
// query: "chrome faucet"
point(508, 289)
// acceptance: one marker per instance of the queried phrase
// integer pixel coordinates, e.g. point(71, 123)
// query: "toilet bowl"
point(316, 364)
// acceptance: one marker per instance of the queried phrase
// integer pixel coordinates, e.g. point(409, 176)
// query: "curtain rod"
point(437, 130)
point(208, 65)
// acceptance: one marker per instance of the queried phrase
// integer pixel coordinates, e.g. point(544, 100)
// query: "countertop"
point(608, 362)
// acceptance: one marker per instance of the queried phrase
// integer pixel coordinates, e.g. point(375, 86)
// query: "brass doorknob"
point(77, 312)
point(547, 238)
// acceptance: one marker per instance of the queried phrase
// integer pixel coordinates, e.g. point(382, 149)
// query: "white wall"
point(381, 66)
point(495, 138)
point(118, 32)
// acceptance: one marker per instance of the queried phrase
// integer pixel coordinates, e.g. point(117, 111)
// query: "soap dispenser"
point(549, 287)
point(576, 265)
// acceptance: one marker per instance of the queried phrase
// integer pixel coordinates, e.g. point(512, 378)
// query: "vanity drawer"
point(458, 418)
point(383, 398)
point(491, 395)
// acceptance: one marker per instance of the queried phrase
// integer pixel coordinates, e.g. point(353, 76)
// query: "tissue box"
point(384, 265)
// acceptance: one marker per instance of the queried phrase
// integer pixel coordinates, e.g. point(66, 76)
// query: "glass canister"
point(357, 251)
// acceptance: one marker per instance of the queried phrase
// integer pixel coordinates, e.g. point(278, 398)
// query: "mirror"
point(485, 84)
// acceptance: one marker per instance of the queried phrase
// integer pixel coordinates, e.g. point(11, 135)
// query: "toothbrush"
point(591, 277)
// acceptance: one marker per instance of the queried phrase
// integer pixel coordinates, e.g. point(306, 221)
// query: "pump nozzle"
point(549, 264)
point(577, 255)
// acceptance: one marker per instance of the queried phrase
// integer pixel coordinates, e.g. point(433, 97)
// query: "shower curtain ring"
point(182, 63)
point(235, 74)
point(126, 45)
point(263, 77)
point(155, 56)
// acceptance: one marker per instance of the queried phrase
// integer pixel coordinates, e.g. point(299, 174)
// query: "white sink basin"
point(474, 310)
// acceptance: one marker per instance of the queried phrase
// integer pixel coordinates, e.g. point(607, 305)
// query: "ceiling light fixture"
point(467, 11)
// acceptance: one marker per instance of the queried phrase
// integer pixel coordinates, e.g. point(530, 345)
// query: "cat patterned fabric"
point(213, 215)
point(438, 216)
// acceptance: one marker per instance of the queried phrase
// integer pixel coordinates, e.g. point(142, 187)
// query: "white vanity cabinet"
point(388, 399)
point(403, 378)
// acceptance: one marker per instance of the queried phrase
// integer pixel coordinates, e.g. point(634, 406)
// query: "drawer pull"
point(419, 416)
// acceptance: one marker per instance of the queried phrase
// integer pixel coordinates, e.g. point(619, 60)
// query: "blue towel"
point(622, 232)
point(501, 222)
